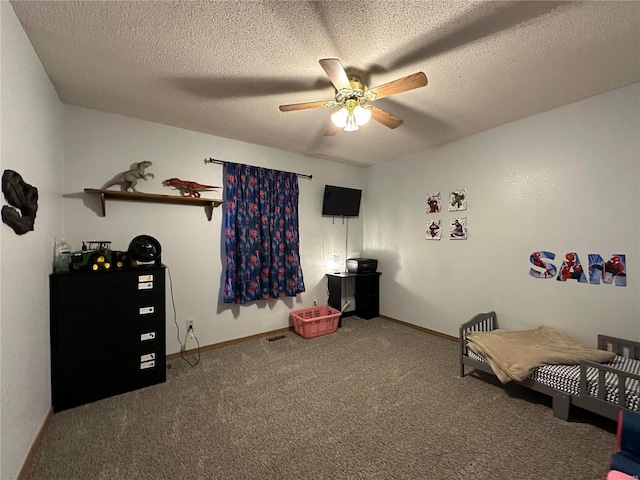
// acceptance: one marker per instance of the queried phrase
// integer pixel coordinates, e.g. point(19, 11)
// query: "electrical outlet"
point(315, 302)
point(189, 324)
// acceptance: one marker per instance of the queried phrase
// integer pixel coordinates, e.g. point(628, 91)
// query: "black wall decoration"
point(24, 198)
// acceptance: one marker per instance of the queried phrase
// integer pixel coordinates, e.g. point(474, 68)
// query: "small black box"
point(362, 265)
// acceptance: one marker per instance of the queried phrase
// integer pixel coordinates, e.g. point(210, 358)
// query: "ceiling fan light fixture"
point(339, 118)
point(352, 124)
point(351, 116)
point(362, 114)
point(343, 94)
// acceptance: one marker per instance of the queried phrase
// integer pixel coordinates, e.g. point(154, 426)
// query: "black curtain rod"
point(222, 162)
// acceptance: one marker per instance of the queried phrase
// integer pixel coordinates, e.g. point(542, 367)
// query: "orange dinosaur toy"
point(194, 188)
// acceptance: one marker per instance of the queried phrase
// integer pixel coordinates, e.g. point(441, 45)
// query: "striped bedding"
point(566, 378)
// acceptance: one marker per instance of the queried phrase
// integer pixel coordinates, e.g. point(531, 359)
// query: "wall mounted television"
point(341, 201)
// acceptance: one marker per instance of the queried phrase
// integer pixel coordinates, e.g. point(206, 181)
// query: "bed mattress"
point(566, 378)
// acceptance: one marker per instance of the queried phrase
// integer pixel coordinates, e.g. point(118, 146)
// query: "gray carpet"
point(375, 400)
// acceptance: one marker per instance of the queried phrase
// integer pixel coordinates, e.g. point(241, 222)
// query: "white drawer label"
point(147, 357)
point(149, 364)
point(145, 278)
point(146, 310)
point(147, 336)
point(145, 286)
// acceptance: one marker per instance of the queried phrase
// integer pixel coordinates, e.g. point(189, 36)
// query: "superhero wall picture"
point(612, 271)
point(458, 200)
point(433, 230)
point(458, 228)
point(434, 203)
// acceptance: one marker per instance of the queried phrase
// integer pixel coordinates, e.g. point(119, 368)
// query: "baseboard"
point(214, 346)
point(34, 446)
point(422, 329)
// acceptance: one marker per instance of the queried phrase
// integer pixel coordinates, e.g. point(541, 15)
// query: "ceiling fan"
point(353, 97)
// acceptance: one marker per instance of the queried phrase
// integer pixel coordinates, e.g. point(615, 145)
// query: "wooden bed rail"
point(622, 379)
point(619, 346)
point(598, 403)
point(482, 322)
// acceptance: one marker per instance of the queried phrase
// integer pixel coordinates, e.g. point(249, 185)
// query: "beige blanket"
point(513, 355)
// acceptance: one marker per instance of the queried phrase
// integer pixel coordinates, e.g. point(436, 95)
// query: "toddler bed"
point(602, 388)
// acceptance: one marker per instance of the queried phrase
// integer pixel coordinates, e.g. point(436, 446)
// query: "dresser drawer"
point(84, 320)
point(78, 288)
point(116, 346)
point(99, 380)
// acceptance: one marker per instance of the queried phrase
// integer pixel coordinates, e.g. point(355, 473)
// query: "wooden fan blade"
point(301, 106)
point(334, 70)
point(385, 118)
point(403, 84)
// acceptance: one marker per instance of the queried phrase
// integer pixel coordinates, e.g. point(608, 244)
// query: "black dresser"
point(107, 333)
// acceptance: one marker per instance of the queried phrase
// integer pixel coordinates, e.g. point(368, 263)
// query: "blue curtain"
point(261, 230)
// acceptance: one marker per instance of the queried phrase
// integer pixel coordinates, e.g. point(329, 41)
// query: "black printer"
point(362, 265)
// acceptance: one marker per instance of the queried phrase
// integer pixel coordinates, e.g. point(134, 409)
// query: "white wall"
point(564, 181)
point(31, 144)
point(99, 145)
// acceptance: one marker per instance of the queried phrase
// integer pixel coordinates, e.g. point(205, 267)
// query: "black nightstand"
point(366, 288)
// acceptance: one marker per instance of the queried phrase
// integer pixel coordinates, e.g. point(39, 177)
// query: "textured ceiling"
point(224, 67)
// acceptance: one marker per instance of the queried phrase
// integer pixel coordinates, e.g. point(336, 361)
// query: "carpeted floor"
point(375, 400)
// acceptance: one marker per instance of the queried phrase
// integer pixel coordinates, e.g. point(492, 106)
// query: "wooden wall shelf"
point(208, 203)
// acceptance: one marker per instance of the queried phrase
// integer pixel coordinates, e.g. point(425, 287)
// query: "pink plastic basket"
point(315, 321)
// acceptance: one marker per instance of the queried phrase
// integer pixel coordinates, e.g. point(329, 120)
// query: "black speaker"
point(145, 249)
